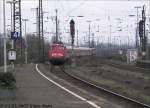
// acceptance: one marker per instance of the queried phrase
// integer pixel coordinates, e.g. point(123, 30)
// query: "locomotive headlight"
point(60, 54)
point(54, 54)
point(57, 54)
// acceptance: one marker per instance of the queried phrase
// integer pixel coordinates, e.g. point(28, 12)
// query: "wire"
point(88, 0)
point(77, 7)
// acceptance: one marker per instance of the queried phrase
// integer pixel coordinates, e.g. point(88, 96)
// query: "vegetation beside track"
point(131, 84)
point(7, 80)
point(143, 64)
point(116, 57)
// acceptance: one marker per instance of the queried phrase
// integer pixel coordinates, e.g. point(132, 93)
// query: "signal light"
point(72, 28)
point(141, 28)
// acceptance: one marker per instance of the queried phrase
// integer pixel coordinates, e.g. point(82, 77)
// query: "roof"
point(80, 48)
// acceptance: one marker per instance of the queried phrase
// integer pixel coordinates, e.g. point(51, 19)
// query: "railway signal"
point(141, 28)
point(72, 33)
point(143, 38)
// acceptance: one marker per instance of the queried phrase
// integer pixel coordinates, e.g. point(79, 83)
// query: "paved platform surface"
point(36, 92)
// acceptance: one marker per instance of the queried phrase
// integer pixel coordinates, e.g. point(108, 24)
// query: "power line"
point(81, 4)
point(88, 0)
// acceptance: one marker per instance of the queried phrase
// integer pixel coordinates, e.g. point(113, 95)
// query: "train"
point(59, 53)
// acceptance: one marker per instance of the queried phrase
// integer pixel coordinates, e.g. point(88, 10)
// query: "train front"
point(57, 54)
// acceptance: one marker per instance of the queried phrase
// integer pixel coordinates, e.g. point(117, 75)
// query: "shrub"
point(117, 57)
point(7, 80)
point(143, 63)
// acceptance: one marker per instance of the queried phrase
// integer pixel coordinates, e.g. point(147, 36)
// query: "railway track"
point(126, 67)
point(88, 85)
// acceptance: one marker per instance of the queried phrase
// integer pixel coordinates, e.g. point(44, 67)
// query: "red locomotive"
point(57, 52)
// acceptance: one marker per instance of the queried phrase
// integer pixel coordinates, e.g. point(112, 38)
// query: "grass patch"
point(146, 99)
point(113, 85)
point(9, 68)
point(7, 81)
point(121, 89)
point(143, 63)
point(14, 99)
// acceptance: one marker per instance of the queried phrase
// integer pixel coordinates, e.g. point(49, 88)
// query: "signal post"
point(143, 37)
point(72, 33)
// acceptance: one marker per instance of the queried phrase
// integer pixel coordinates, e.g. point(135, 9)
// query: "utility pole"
point(144, 35)
point(38, 32)
point(148, 53)
point(17, 24)
point(56, 27)
point(11, 12)
point(137, 29)
point(39, 23)
point(26, 46)
point(109, 31)
point(128, 36)
point(86, 35)
point(93, 42)
point(41, 34)
point(89, 33)
point(4, 27)
point(77, 39)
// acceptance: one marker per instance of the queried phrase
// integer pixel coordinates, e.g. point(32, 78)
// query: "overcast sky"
point(101, 13)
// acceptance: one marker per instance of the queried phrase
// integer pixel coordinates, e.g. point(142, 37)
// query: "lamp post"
point(26, 46)
point(4, 28)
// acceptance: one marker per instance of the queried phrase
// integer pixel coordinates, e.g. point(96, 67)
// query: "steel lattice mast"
point(40, 30)
point(17, 24)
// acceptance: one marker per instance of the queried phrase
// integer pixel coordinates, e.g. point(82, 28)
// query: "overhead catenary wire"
point(88, 0)
point(76, 7)
point(0, 15)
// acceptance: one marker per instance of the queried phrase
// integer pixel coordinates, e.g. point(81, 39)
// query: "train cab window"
point(56, 48)
point(53, 48)
point(60, 48)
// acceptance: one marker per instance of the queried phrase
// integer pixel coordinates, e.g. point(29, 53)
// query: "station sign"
point(120, 52)
point(132, 55)
point(12, 55)
point(14, 35)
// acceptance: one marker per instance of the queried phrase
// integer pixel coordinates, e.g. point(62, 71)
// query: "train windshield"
point(57, 47)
